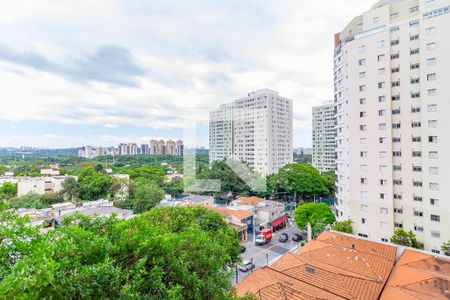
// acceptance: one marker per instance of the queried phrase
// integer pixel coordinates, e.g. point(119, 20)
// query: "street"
point(266, 253)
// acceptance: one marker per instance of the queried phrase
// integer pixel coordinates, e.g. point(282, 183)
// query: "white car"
point(246, 265)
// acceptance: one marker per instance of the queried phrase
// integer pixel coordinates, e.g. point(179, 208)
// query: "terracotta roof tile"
point(253, 200)
point(325, 268)
point(419, 275)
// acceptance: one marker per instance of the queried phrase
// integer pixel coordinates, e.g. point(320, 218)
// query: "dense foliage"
point(406, 238)
point(319, 215)
point(35, 201)
point(166, 253)
point(8, 190)
point(302, 180)
point(344, 226)
point(141, 198)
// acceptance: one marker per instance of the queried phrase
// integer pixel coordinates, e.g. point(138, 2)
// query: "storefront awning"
point(279, 221)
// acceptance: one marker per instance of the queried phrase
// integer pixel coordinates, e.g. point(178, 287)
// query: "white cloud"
point(195, 55)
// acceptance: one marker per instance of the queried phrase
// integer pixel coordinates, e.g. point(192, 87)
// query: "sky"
point(76, 73)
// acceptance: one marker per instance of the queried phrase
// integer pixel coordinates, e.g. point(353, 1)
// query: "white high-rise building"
point(256, 129)
point(323, 137)
point(392, 98)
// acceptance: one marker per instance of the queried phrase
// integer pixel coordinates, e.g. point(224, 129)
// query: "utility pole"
point(237, 274)
point(267, 259)
point(253, 226)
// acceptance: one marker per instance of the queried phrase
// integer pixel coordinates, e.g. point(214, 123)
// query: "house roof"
point(335, 266)
point(238, 213)
point(419, 275)
point(253, 200)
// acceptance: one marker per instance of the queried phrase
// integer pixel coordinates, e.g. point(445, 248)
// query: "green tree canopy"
point(142, 197)
point(344, 226)
point(93, 185)
point(33, 200)
point(166, 253)
point(70, 189)
point(319, 215)
point(8, 190)
point(406, 238)
point(302, 179)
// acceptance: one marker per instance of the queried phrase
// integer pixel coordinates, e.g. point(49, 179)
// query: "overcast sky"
point(75, 73)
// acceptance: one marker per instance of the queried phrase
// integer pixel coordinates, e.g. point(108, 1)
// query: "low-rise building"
point(241, 220)
point(40, 185)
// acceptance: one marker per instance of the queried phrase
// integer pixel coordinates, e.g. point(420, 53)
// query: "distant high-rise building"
point(303, 151)
point(145, 149)
point(180, 147)
point(132, 149)
point(256, 129)
point(323, 137)
point(391, 77)
point(161, 147)
point(153, 147)
point(171, 147)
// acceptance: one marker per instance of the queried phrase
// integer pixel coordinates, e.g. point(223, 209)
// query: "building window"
point(363, 220)
point(396, 125)
point(434, 202)
point(415, 124)
point(432, 123)
point(362, 114)
point(395, 97)
point(383, 210)
point(395, 29)
point(364, 194)
point(375, 19)
point(431, 46)
point(433, 155)
point(363, 127)
point(382, 168)
point(381, 71)
point(415, 95)
point(435, 251)
point(413, 37)
point(364, 208)
point(435, 234)
point(395, 83)
point(363, 180)
point(435, 218)
point(394, 16)
point(362, 88)
point(382, 126)
point(398, 210)
point(432, 139)
point(395, 55)
point(433, 170)
point(415, 109)
point(431, 61)
point(361, 49)
point(414, 51)
point(417, 183)
point(395, 70)
point(395, 42)
point(380, 57)
point(418, 228)
point(417, 154)
point(362, 62)
point(363, 141)
point(432, 107)
point(362, 74)
point(396, 111)
point(413, 9)
point(396, 140)
point(414, 66)
point(362, 101)
point(415, 80)
point(384, 224)
point(383, 182)
point(381, 112)
point(430, 30)
point(417, 168)
point(431, 77)
point(414, 23)
point(434, 186)
point(381, 85)
point(418, 213)
point(417, 198)
point(397, 182)
point(381, 98)
point(380, 44)
point(363, 168)
point(397, 167)
point(431, 92)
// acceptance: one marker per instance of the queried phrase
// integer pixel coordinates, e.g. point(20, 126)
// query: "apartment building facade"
point(391, 75)
point(323, 137)
point(256, 129)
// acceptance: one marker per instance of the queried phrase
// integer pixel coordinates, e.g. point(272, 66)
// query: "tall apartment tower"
point(256, 129)
point(392, 99)
point(323, 137)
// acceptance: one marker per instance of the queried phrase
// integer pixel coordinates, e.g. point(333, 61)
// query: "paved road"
point(267, 253)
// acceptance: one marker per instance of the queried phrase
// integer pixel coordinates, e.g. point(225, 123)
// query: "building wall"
point(323, 135)
point(256, 129)
point(392, 139)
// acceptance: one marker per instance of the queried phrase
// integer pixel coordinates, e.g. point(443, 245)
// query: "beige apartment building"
point(256, 129)
point(391, 76)
point(323, 137)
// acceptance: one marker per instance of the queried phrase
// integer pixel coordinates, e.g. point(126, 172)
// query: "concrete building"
point(391, 75)
point(301, 151)
point(180, 147)
point(171, 147)
point(144, 149)
point(323, 137)
point(259, 132)
point(39, 185)
point(153, 147)
point(123, 149)
point(161, 147)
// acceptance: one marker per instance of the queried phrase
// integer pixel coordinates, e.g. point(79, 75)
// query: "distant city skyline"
point(102, 74)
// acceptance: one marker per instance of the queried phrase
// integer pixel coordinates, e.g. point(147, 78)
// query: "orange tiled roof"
point(419, 275)
point(253, 200)
point(238, 213)
point(334, 266)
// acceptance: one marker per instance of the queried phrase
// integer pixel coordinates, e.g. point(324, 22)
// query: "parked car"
point(243, 248)
point(299, 236)
point(246, 265)
point(264, 237)
point(283, 238)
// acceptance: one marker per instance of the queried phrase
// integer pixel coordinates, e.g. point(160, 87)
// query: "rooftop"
point(418, 275)
point(335, 266)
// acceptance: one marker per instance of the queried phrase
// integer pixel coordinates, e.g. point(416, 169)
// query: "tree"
point(344, 226)
point(70, 189)
point(33, 200)
point(446, 247)
point(330, 178)
point(142, 198)
point(166, 253)
point(406, 238)
point(319, 215)
point(93, 185)
point(8, 190)
point(300, 179)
